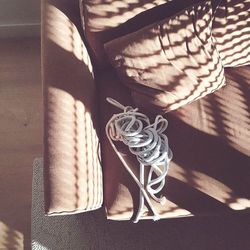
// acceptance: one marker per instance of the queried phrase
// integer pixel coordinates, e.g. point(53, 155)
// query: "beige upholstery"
point(105, 20)
point(232, 32)
point(73, 176)
point(209, 138)
point(172, 62)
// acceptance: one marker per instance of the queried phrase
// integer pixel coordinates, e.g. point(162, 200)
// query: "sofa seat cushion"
point(105, 20)
point(210, 140)
point(172, 62)
point(231, 31)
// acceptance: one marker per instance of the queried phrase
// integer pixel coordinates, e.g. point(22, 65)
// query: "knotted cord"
point(150, 146)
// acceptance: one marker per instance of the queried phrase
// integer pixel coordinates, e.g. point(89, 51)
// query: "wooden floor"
point(20, 137)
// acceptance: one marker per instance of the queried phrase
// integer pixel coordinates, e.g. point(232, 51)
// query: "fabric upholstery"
point(210, 141)
point(73, 176)
point(105, 20)
point(210, 137)
point(175, 60)
point(231, 31)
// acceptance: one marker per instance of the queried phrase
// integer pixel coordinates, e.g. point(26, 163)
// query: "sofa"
point(209, 136)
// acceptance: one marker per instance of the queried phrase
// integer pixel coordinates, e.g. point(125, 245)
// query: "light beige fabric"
point(172, 62)
point(209, 173)
point(104, 20)
point(73, 175)
point(209, 138)
point(231, 31)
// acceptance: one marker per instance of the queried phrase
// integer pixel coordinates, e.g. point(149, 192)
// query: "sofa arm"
point(72, 172)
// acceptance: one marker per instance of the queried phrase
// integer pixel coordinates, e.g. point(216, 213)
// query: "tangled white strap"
point(150, 146)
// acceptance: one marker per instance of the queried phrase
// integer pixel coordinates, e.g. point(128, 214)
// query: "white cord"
point(150, 146)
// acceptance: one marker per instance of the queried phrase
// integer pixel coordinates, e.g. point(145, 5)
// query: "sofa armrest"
point(72, 172)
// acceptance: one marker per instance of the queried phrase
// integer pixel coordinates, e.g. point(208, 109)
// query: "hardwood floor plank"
point(20, 136)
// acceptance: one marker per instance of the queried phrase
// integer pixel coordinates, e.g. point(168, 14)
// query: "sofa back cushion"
point(231, 31)
point(172, 62)
point(104, 20)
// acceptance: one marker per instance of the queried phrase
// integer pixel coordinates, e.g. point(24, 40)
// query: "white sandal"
point(150, 146)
